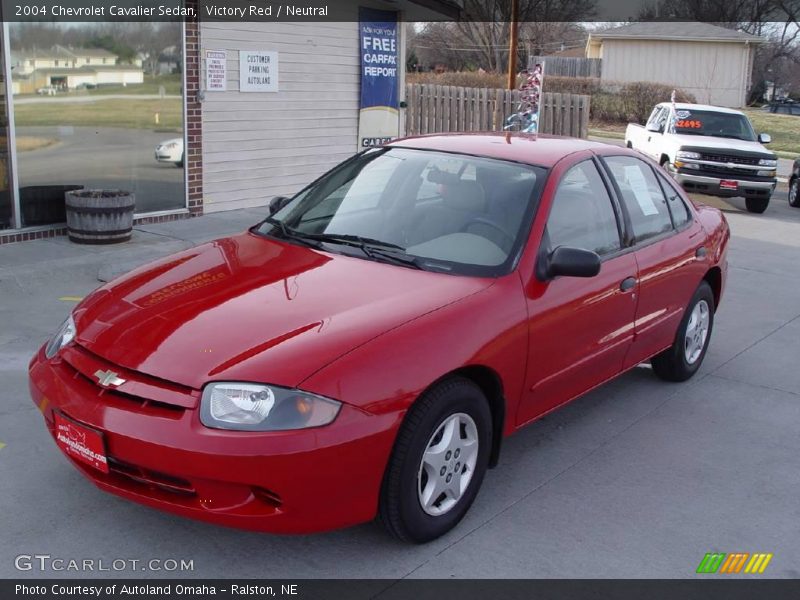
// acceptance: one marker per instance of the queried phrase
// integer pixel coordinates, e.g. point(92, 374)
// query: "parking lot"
point(640, 478)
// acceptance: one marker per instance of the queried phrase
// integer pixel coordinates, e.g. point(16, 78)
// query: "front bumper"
point(161, 455)
point(705, 184)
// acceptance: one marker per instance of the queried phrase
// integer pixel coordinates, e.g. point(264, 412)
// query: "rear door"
point(668, 246)
point(579, 329)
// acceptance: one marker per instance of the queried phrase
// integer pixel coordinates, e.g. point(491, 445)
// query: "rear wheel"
point(438, 462)
point(684, 357)
point(794, 192)
point(756, 205)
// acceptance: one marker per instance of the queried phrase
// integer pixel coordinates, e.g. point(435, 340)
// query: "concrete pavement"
point(640, 478)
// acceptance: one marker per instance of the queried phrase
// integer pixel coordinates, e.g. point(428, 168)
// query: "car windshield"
point(717, 124)
point(416, 208)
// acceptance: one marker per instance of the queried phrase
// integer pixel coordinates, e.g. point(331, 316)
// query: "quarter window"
point(642, 196)
point(582, 215)
point(680, 212)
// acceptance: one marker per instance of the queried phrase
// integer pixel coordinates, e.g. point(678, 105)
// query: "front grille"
point(128, 401)
point(727, 158)
point(725, 172)
point(151, 479)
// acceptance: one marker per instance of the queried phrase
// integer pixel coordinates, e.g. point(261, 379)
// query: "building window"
point(124, 142)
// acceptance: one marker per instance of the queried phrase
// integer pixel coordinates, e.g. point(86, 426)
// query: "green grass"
point(128, 113)
point(784, 129)
point(151, 85)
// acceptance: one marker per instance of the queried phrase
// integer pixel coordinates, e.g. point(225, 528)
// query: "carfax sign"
point(379, 119)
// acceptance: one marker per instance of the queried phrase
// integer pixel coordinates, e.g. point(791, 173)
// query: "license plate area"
point(729, 184)
point(80, 442)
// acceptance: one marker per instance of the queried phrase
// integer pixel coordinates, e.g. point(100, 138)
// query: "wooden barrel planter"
point(99, 216)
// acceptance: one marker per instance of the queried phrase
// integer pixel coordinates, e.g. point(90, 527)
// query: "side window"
point(582, 215)
point(642, 196)
point(681, 214)
point(654, 116)
point(658, 117)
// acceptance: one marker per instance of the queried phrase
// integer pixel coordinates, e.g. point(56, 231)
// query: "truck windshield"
point(717, 124)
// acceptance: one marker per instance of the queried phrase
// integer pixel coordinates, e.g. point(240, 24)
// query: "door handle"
point(627, 284)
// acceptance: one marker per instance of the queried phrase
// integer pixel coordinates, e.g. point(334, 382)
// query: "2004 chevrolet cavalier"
point(365, 349)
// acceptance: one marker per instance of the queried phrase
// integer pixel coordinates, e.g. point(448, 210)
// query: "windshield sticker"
point(635, 178)
point(689, 124)
point(683, 114)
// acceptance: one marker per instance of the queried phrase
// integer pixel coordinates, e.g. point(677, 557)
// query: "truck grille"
point(726, 158)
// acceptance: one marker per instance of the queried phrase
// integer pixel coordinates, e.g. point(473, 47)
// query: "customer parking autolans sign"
point(379, 119)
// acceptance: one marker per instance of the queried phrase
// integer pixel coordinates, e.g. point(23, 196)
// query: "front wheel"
point(438, 462)
point(756, 205)
point(794, 193)
point(682, 360)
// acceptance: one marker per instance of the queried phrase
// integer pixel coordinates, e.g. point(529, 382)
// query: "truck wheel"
point(665, 163)
point(756, 205)
point(794, 192)
point(629, 145)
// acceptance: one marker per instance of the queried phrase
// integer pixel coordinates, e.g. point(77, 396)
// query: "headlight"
point(254, 407)
point(767, 162)
point(65, 335)
point(171, 146)
point(686, 155)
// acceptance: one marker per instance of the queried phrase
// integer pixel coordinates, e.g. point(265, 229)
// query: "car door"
point(579, 329)
point(668, 246)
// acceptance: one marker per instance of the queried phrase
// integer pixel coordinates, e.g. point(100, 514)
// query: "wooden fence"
point(568, 66)
point(440, 108)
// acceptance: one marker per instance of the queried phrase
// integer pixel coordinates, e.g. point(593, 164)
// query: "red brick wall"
point(194, 126)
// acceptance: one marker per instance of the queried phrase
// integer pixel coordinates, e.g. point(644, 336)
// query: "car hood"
point(250, 308)
point(717, 143)
point(172, 141)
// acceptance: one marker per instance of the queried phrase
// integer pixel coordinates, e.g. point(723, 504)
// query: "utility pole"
point(512, 45)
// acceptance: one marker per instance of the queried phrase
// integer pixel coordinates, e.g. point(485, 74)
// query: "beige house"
point(60, 57)
point(712, 63)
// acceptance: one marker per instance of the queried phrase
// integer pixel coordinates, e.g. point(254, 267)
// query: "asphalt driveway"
point(638, 479)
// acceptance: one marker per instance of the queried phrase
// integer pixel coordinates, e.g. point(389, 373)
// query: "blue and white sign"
point(379, 119)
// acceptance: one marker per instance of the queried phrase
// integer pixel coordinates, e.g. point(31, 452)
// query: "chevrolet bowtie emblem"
point(107, 378)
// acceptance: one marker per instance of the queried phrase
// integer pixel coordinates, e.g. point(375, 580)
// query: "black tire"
point(672, 364)
point(401, 509)
point(756, 205)
point(629, 145)
point(794, 192)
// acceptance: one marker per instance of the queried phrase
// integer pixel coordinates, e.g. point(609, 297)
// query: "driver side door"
point(579, 329)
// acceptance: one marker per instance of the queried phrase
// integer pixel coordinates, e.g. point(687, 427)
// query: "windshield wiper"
point(372, 248)
point(346, 238)
point(291, 234)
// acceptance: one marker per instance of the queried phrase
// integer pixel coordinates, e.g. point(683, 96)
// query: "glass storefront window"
point(97, 106)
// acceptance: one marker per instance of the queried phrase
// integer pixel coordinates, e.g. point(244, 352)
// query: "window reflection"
point(97, 105)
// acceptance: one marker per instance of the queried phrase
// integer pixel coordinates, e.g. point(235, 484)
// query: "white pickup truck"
point(709, 150)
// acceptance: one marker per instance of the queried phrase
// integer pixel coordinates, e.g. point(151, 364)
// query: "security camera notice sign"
point(258, 71)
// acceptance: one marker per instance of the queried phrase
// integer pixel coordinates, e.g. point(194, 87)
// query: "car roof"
point(542, 150)
point(690, 107)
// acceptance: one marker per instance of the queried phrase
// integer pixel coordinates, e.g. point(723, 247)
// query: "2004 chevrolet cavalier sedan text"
point(364, 349)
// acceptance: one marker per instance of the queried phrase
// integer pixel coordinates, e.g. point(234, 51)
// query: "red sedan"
point(364, 350)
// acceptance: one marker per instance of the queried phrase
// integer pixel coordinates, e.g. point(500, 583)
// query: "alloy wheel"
point(448, 464)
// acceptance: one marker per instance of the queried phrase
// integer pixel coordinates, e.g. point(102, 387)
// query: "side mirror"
point(572, 262)
point(277, 203)
point(764, 138)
